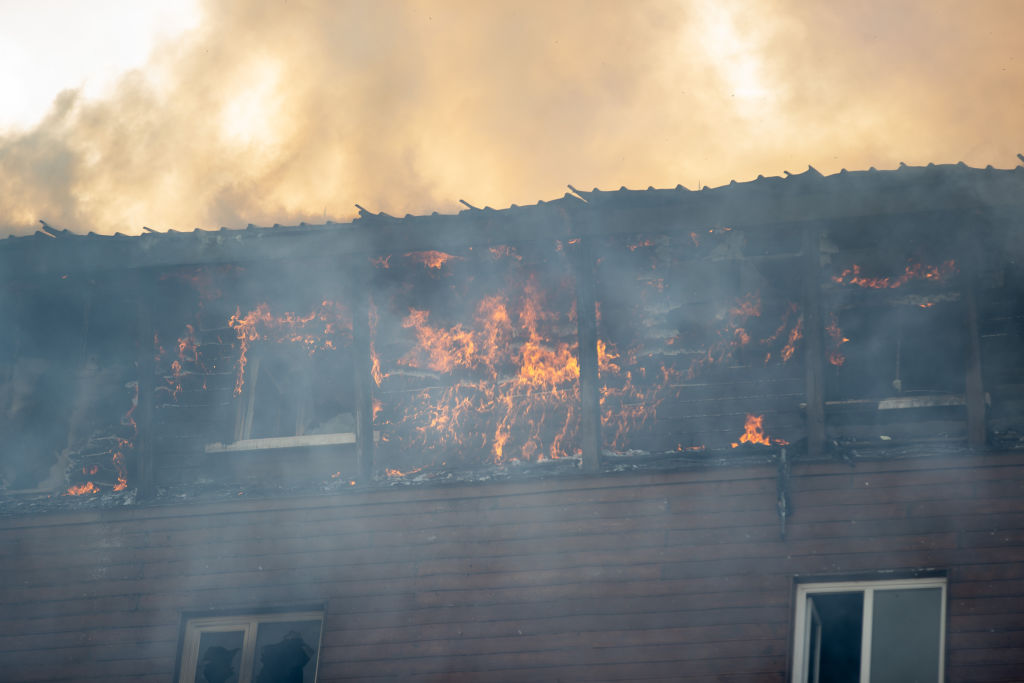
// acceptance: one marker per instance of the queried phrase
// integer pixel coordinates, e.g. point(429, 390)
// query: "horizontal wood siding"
point(675, 576)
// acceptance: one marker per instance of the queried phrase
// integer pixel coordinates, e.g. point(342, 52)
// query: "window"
point(255, 648)
point(870, 631)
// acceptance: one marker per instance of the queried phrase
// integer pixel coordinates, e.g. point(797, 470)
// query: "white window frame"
point(802, 634)
point(249, 623)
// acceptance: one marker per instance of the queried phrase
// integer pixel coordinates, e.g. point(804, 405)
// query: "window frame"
point(245, 406)
point(867, 587)
point(249, 623)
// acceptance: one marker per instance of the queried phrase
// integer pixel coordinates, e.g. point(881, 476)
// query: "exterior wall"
point(669, 576)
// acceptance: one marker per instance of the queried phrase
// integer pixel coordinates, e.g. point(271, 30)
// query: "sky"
point(119, 114)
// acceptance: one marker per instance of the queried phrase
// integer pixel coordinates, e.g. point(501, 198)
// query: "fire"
point(912, 271)
point(382, 262)
point(82, 489)
point(508, 381)
point(835, 356)
point(375, 371)
point(117, 454)
point(754, 433)
point(316, 331)
point(795, 335)
point(394, 473)
point(734, 335)
point(431, 259)
point(188, 352)
point(640, 245)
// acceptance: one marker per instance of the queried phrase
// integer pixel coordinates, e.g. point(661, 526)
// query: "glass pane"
point(839, 653)
point(286, 651)
point(219, 654)
point(905, 636)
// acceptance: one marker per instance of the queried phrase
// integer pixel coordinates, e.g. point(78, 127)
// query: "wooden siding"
point(672, 576)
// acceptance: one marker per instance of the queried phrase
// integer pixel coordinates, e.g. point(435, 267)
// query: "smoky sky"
point(278, 112)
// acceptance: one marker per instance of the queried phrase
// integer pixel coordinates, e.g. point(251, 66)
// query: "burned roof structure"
point(858, 312)
point(764, 339)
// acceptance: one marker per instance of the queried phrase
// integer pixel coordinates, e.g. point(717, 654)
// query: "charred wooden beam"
point(973, 385)
point(362, 367)
point(814, 349)
point(586, 327)
point(145, 465)
point(782, 502)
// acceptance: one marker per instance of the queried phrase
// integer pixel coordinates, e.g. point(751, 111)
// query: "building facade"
point(770, 431)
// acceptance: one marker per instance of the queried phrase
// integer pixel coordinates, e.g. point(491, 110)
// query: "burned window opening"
point(896, 344)
point(705, 329)
point(288, 393)
point(255, 648)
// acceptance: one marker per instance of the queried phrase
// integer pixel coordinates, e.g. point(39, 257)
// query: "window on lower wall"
point(870, 631)
point(251, 648)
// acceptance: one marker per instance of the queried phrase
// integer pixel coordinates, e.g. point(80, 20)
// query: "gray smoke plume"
point(288, 111)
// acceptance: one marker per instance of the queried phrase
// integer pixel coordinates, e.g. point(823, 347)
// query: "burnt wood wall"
point(671, 576)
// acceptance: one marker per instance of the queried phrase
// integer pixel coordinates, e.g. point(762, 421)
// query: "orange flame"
point(391, 472)
point(431, 259)
point(754, 433)
point(506, 369)
point(912, 271)
point(835, 356)
point(795, 335)
point(315, 331)
point(82, 489)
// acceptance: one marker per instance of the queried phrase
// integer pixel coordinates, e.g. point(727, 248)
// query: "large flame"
point(501, 366)
point(754, 434)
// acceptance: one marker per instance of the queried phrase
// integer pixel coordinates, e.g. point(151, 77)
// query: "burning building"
point(763, 432)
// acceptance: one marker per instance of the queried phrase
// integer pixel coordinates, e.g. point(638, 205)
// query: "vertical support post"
point(145, 464)
point(362, 365)
point(586, 329)
point(973, 384)
point(814, 349)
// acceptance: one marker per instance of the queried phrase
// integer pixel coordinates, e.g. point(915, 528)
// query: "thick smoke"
point(287, 111)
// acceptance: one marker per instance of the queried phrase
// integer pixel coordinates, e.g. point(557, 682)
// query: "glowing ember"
point(912, 271)
point(754, 434)
point(640, 245)
point(431, 259)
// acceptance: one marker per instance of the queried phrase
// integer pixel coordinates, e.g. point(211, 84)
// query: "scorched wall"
point(638, 576)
